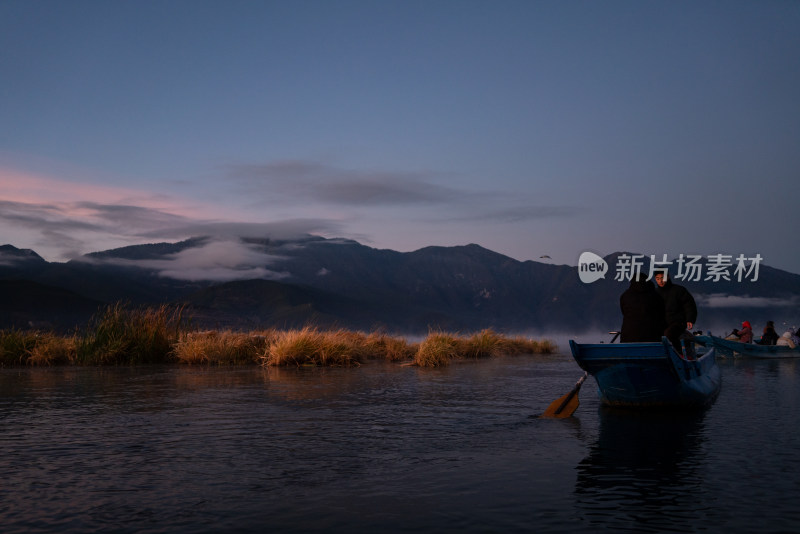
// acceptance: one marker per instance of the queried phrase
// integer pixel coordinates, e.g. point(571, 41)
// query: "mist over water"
point(389, 448)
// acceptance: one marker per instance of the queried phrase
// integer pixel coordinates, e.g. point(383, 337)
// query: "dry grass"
point(53, 350)
point(14, 346)
point(309, 346)
point(392, 349)
point(440, 349)
point(437, 350)
point(520, 345)
point(121, 335)
point(222, 348)
point(36, 348)
point(343, 348)
point(483, 344)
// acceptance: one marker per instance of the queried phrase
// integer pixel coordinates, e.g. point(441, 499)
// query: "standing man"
point(642, 312)
point(679, 308)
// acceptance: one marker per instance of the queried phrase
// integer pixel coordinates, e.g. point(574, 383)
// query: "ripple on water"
point(388, 448)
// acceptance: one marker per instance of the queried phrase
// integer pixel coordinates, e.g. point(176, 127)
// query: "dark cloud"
point(42, 217)
point(374, 191)
point(55, 227)
point(327, 184)
point(312, 181)
point(129, 216)
point(288, 229)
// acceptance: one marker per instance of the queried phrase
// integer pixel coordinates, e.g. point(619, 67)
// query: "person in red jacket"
point(746, 333)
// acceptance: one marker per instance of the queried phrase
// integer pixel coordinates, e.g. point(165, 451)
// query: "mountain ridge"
point(343, 283)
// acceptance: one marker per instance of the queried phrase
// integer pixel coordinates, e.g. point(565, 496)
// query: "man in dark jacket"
point(642, 312)
point(679, 308)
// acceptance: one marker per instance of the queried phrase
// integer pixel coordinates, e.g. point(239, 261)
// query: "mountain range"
point(258, 283)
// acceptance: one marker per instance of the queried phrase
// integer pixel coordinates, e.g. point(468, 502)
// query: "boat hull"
point(726, 347)
point(649, 375)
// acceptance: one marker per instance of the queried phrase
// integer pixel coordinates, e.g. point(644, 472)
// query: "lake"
point(390, 448)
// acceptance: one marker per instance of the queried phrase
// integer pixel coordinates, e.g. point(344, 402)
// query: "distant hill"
point(26, 304)
point(253, 304)
point(255, 283)
point(10, 255)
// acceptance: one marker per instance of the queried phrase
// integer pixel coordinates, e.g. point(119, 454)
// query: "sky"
point(532, 128)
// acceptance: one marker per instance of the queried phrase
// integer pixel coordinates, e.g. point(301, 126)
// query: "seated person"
point(787, 340)
point(770, 336)
point(746, 333)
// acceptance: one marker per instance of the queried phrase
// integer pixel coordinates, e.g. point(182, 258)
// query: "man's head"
point(661, 279)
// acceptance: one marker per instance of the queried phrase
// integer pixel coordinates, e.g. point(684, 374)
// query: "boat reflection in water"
point(643, 473)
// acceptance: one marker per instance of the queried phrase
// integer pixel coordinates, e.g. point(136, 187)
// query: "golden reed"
point(120, 335)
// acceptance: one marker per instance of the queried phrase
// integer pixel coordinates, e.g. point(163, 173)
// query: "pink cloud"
point(29, 188)
point(63, 219)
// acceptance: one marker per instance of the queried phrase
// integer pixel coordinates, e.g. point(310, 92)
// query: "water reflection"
point(643, 473)
point(385, 448)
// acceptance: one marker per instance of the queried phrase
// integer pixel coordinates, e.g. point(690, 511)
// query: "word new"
point(591, 267)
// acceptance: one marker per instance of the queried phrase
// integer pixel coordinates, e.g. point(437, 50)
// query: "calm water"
point(389, 448)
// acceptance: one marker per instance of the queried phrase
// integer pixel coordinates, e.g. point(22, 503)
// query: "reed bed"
point(309, 346)
point(437, 350)
point(392, 349)
point(441, 348)
point(53, 350)
point(123, 335)
point(120, 335)
point(14, 346)
point(35, 348)
point(222, 348)
point(517, 345)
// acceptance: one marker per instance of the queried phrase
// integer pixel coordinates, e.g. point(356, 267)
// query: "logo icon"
point(591, 267)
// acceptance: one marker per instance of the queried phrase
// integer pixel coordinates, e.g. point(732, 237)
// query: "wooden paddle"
point(565, 406)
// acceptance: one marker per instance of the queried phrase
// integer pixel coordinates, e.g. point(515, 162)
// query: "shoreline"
point(123, 336)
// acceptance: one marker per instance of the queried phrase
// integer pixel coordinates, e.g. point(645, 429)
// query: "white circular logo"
point(591, 267)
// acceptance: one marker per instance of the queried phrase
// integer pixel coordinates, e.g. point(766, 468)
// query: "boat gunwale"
point(697, 382)
point(751, 350)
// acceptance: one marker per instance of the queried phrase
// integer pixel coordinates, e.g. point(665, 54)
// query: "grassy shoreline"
point(120, 335)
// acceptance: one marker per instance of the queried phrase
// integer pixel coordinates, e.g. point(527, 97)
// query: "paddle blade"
point(565, 406)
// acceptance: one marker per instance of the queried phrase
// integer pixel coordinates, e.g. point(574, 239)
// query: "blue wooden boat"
point(726, 347)
point(648, 375)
